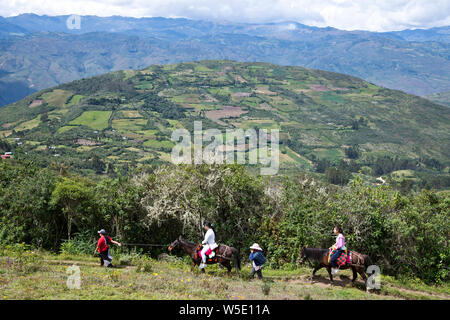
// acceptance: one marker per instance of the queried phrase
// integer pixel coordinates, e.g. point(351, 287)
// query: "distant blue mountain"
point(421, 35)
point(37, 52)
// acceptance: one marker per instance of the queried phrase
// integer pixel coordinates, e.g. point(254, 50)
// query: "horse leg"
point(228, 269)
point(315, 270)
point(329, 273)
point(228, 266)
point(203, 269)
point(355, 275)
point(362, 273)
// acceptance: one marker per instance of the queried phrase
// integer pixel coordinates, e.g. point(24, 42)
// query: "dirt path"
point(344, 281)
point(82, 263)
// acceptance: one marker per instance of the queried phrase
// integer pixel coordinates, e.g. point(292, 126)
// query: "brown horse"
point(319, 258)
point(224, 253)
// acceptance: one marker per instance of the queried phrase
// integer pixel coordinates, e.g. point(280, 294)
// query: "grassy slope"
point(314, 108)
point(174, 280)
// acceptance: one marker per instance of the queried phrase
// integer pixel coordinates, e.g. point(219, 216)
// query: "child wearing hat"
point(257, 259)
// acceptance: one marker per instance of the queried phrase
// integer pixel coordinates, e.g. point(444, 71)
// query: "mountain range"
point(325, 119)
point(38, 52)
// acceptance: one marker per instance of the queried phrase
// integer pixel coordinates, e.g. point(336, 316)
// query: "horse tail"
point(367, 262)
point(237, 259)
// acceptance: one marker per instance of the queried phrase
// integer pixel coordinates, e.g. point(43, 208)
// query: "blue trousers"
point(334, 257)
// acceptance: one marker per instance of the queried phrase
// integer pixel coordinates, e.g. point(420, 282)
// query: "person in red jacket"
point(103, 248)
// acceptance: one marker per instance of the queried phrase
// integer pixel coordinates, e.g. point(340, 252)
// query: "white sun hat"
point(256, 246)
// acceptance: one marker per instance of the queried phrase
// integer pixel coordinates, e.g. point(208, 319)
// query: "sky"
point(371, 15)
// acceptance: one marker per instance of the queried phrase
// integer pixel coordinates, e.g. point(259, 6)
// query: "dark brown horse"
point(224, 253)
point(318, 259)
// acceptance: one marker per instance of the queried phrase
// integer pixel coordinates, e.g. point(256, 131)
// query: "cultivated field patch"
point(57, 97)
point(28, 125)
point(125, 125)
point(36, 103)
point(225, 112)
point(97, 120)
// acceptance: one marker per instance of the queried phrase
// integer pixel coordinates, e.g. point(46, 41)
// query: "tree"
point(352, 152)
point(44, 117)
point(339, 176)
point(5, 146)
point(69, 195)
point(322, 165)
point(98, 165)
point(181, 198)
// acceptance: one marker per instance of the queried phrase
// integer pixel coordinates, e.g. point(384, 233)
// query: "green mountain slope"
point(127, 117)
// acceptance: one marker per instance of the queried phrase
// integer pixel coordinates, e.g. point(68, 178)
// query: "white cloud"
point(373, 15)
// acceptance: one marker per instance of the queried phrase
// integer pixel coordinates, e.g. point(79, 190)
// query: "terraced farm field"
point(320, 115)
point(97, 120)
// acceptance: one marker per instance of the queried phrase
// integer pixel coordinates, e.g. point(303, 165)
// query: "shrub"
point(115, 275)
point(404, 235)
point(265, 287)
point(127, 259)
point(82, 243)
point(143, 264)
point(23, 260)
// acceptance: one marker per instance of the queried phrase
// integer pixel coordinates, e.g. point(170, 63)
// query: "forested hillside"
point(331, 124)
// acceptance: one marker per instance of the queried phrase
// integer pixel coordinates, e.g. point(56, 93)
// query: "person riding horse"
point(209, 243)
point(320, 258)
point(339, 247)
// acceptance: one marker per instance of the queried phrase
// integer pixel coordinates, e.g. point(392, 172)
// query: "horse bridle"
point(171, 247)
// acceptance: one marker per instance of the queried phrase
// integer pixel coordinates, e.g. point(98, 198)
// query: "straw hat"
point(256, 246)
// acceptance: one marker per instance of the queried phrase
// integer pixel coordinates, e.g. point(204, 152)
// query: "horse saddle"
point(343, 259)
point(211, 255)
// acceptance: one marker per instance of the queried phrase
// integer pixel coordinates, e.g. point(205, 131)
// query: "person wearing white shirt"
point(208, 243)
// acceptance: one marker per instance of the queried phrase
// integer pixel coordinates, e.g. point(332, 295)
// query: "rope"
point(223, 254)
point(358, 256)
point(145, 244)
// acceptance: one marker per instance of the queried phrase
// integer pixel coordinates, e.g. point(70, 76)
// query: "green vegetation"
point(28, 125)
point(75, 99)
point(329, 123)
point(57, 98)
point(97, 120)
point(26, 274)
point(163, 145)
point(53, 209)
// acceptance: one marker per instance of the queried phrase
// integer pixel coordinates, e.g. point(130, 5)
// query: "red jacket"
point(102, 244)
